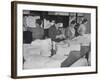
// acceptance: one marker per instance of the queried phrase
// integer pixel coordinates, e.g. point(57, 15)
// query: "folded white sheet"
point(43, 45)
point(46, 47)
point(38, 62)
point(29, 50)
point(63, 50)
point(84, 40)
point(81, 62)
point(75, 47)
point(35, 62)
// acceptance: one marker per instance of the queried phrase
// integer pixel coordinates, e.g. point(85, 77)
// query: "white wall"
point(5, 41)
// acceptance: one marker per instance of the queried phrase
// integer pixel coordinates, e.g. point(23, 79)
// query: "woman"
point(70, 31)
point(82, 28)
point(76, 29)
point(38, 31)
point(55, 32)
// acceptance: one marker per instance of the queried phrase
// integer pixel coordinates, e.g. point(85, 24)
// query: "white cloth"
point(75, 47)
point(36, 55)
point(55, 61)
point(63, 49)
point(37, 47)
point(38, 62)
point(30, 21)
point(84, 40)
point(46, 47)
point(35, 62)
point(81, 62)
point(47, 24)
point(29, 50)
point(24, 21)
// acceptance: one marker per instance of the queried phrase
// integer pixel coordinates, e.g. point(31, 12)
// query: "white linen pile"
point(37, 54)
point(84, 40)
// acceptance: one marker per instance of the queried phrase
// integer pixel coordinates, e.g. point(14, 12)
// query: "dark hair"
point(73, 22)
point(76, 29)
point(84, 20)
point(51, 20)
point(38, 21)
point(77, 25)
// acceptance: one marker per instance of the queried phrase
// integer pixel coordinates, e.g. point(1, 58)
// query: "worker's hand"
point(60, 36)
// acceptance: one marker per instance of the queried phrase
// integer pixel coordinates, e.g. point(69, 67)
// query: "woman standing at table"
point(70, 31)
point(82, 28)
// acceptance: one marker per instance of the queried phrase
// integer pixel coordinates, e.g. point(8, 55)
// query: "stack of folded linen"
point(62, 49)
point(31, 49)
point(83, 40)
point(37, 53)
point(46, 47)
point(36, 62)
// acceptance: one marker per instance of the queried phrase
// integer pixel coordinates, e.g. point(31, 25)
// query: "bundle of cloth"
point(38, 54)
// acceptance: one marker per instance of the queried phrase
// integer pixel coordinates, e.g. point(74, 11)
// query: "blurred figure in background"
point(56, 32)
point(38, 31)
point(47, 25)
point(82, 28)
point(70, 31)
point(76, 29)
